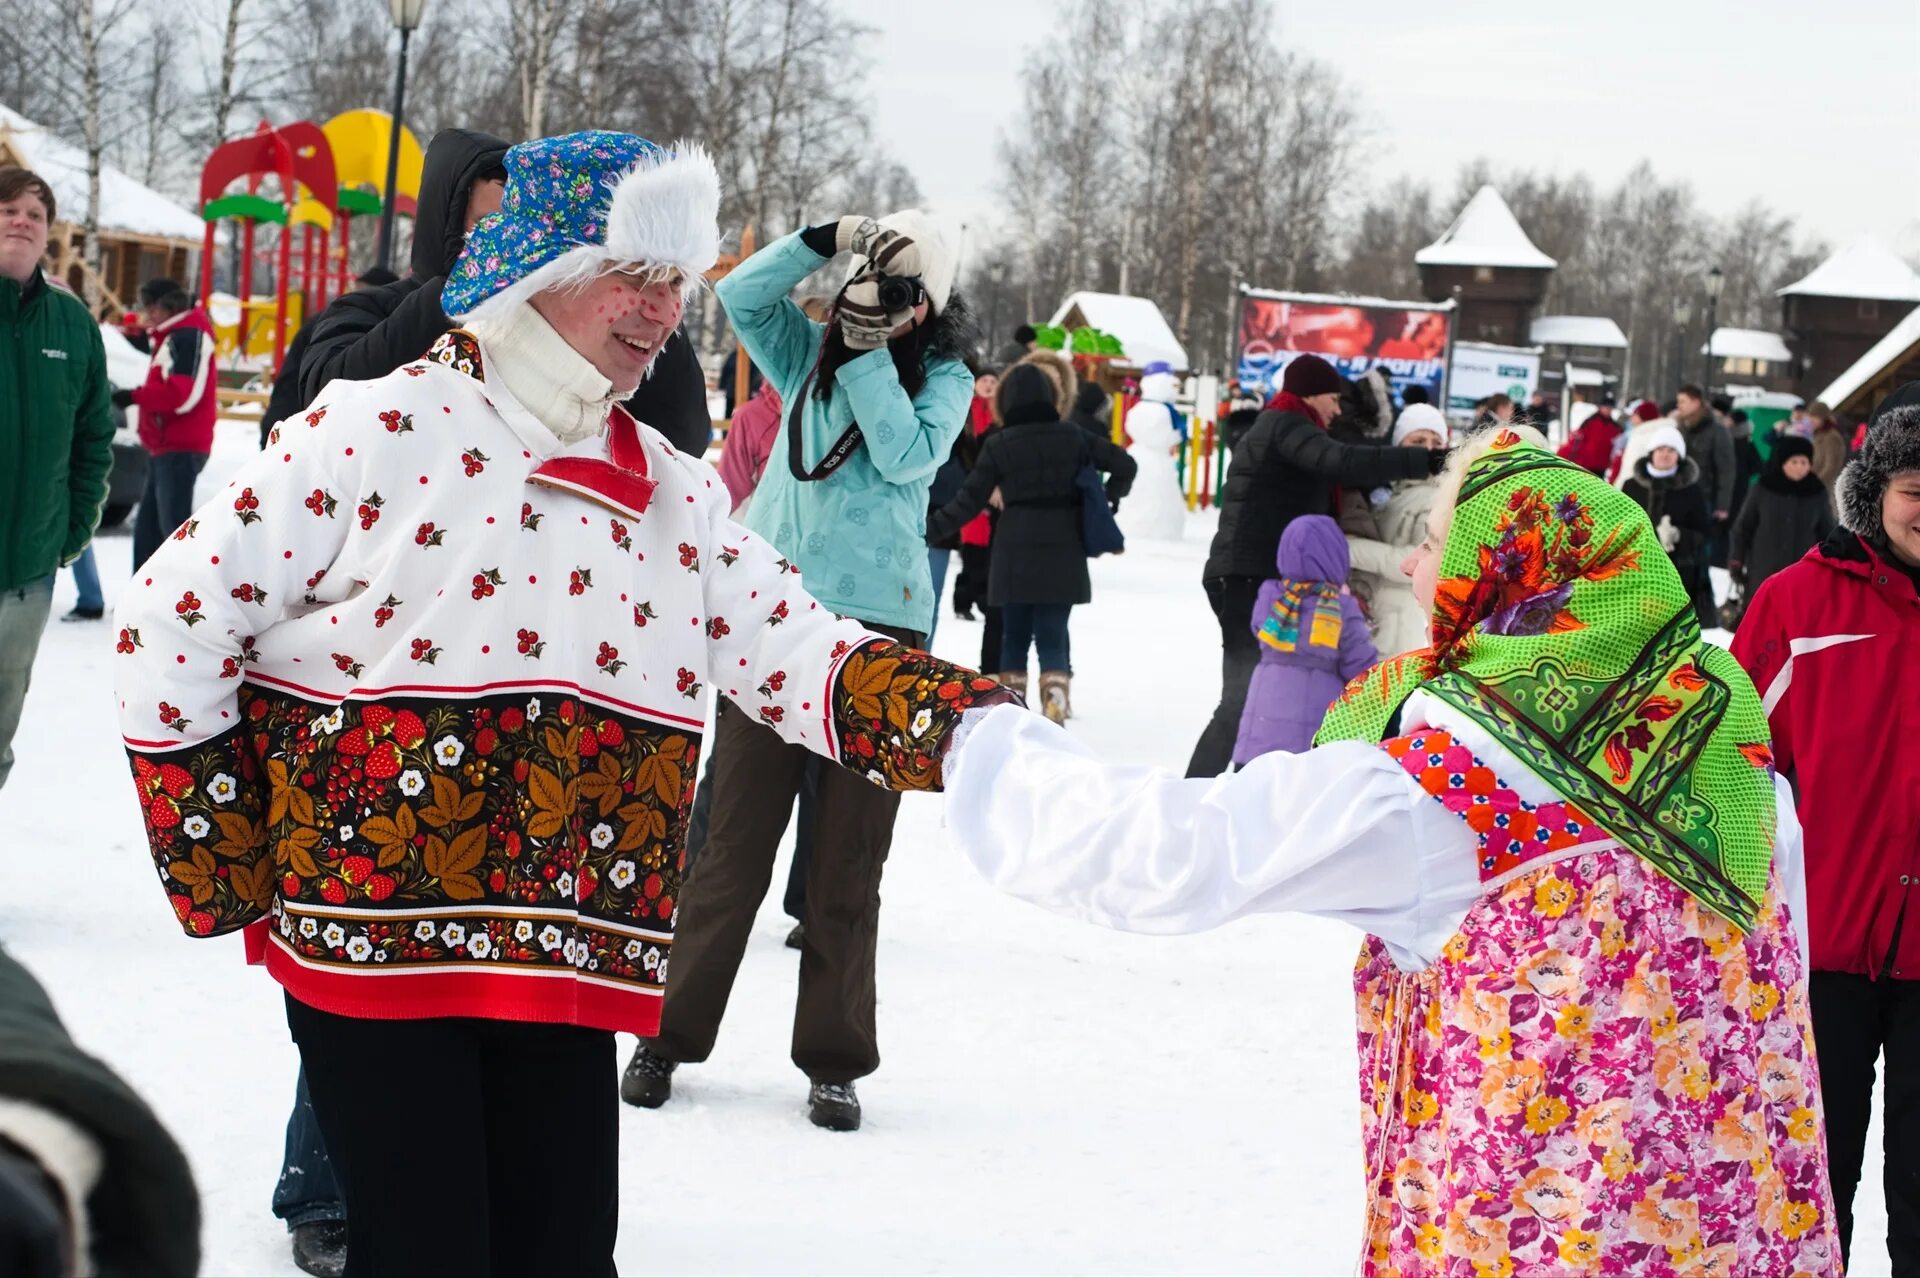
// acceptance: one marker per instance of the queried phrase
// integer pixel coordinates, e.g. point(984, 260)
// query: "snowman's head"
point(1158, 383)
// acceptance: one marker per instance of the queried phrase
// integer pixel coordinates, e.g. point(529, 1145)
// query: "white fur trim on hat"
point(1664, 434)
point(939, 247)
point(1420, 417)
point(664, 212)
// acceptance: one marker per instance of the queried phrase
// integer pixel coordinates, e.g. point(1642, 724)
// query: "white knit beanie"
point(1664, 434)
point(1420, 417)
point(939, 252)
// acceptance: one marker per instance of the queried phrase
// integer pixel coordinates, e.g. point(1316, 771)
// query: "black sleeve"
point(1120, 467)
point(1300, 444)
point(183, 345)
point(287, 397)
point(358, 339)
point(144, 1212)
point(673, 399)
point(822, 239)
point(946, 522)
point(1743, 525)
point(1688, 509)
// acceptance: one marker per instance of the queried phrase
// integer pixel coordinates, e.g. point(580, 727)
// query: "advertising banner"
point(1478, 370)
point(1406, 341)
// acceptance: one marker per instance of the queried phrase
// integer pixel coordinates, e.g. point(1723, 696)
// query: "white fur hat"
point(578, 203)
point(939, 247)
point(1420, 417)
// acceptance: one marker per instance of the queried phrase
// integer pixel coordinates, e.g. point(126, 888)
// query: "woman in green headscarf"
point(1584, 1044)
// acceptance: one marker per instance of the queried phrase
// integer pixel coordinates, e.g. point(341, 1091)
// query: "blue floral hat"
point(575, 204)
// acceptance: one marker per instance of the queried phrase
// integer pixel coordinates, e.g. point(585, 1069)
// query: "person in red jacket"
point(1832, 644)
point(177, 408)
point(1592, 442)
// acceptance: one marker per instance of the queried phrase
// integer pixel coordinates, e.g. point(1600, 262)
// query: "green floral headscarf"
point(1562, 628)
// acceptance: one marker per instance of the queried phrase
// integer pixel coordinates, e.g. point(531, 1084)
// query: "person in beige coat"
point(1380, 537)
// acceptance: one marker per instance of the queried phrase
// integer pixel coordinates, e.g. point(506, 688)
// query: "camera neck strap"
point(843, 447)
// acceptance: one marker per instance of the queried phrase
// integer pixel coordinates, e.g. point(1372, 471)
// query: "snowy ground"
point(1055, 1099)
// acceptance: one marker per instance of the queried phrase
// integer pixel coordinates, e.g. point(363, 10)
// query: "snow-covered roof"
point(1904, 337)
point(1864, 268)
point(126, 206)
point(1577, 330)
point(1747, 343)
point(1485, 234)
point(1143, 331)
point(1577, 376)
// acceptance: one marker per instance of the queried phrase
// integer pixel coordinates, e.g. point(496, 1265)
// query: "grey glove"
point(890, 252)
point(863, 323)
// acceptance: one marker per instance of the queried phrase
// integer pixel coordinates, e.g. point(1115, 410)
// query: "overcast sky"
point(1813, 107)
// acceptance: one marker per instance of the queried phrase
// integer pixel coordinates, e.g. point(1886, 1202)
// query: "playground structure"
point(318, 175)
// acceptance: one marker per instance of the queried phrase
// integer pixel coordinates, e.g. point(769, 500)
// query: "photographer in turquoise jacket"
point(872, 402)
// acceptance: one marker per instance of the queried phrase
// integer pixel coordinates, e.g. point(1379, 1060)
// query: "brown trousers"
point(755, 778)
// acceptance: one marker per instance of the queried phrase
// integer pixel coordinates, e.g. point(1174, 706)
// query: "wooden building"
point(143, 234)
point(1486, 264)
point(1839, 312)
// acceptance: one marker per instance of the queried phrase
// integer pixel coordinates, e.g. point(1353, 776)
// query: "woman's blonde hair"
point(1470, 450)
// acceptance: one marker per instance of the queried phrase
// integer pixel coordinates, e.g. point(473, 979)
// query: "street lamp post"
point(406, 16)
point(1682, 312)
point(1716, 280)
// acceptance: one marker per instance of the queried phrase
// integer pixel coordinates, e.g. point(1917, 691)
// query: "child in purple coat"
point(1313, 640)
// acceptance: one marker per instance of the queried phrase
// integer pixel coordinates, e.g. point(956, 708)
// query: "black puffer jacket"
point(143, 1216)
point(1284, 467)
point(361, 336)
point(1782, 519)
point(1039, 556)
point(1680, 499)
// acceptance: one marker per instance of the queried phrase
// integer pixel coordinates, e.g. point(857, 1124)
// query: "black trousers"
point(1232, 600)
point(755, 779)
point(1854, 1021)
point(482, 1149)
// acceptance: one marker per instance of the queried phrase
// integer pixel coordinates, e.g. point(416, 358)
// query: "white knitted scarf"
point(550, 379)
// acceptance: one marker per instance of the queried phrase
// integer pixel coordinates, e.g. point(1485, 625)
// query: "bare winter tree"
point(98, 57)
point(533, 40)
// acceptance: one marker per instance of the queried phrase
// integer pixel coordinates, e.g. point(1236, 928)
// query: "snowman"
point(1156, 509)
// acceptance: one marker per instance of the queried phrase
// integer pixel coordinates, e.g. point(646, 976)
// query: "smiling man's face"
point(619, 322)
point(23, 235)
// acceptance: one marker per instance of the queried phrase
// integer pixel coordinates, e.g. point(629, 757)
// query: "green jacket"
point(56, 429)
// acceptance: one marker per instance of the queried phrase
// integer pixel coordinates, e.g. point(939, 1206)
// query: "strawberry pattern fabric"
point(422, 695)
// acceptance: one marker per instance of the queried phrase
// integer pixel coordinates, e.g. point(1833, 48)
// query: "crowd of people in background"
point(879, 449)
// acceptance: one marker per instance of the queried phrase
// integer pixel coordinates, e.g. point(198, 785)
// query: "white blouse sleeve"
point(1789, 853)
point(1340, 832)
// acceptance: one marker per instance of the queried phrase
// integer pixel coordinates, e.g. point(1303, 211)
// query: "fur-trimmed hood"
point(1893, 445)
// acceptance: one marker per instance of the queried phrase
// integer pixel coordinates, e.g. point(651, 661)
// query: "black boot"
point(834, 1107)
point(320, 1248)
point(648, 1081)
point(797, 939)
point(85, 614)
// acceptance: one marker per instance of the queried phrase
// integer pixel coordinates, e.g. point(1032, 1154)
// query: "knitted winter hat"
point(1789, 446)
point(1309, 375)
point(939, 255)
point(1665, 435)
point(1420, 417)
point(1893, 445)
point(1645, 411)
point(578, 203)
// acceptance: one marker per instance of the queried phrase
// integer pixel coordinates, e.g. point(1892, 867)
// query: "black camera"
point(900, 293)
